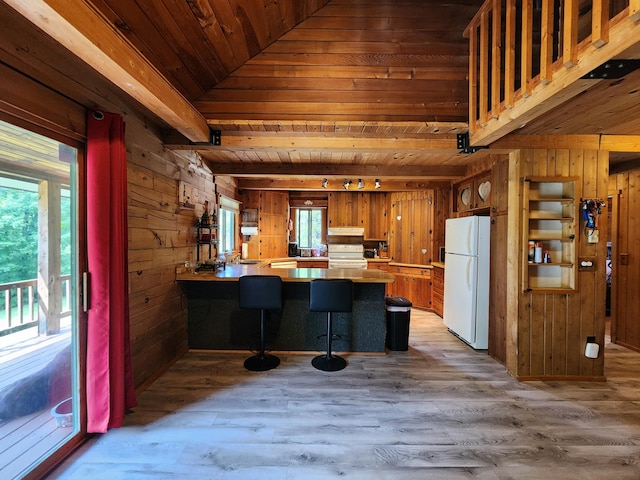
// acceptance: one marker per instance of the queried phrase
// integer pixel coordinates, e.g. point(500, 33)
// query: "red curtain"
point(110, 386)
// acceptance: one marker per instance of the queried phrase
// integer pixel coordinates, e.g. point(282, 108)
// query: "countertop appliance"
point(466, 279)
point(345, 248)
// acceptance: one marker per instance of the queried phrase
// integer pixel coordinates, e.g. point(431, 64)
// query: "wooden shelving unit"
point(550, 211)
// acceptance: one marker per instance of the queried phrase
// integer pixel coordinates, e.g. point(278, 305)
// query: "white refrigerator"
point(466, 279)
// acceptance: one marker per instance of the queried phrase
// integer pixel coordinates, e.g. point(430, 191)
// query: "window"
point(227, 230)
point(309, 227)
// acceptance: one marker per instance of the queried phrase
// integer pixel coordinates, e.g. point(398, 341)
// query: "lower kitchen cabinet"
point(437, 290)
point(412, 283)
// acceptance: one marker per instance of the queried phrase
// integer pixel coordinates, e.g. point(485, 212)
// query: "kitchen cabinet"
point(437, 289)
point(374, 213)
point(474, 193)
point(482, 191)
point(345, 209)
point(313, 263)
point(550, 210)
point(465, 196)
point(412, 283)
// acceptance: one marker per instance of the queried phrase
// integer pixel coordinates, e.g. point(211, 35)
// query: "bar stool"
point(330, 295)
point(261, 292)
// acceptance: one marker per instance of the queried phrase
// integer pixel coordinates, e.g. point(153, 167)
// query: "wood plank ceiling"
point(315, 88)
point(301, 89)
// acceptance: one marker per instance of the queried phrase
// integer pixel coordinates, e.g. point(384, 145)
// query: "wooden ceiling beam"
point(311, 183)
point(422, 172)
point(325, 141)
point(80, 28)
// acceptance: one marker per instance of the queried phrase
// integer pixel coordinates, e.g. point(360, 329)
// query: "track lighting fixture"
point(346, 184)
point(325, 183)
point(360, 184)
point(378, 183)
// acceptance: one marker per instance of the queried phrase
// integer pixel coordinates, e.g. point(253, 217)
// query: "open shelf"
point(550, 212)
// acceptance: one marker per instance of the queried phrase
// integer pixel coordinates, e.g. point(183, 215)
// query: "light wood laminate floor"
point(439, 411)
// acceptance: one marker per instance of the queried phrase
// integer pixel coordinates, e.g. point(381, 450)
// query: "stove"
point(345, 248)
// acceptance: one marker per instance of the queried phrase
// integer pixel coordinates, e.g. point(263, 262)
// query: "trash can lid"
point(397, 302)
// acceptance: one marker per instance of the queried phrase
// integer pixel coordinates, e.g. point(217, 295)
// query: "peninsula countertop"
point(232, 272)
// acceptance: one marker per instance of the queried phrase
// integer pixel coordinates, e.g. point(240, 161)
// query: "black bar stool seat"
point(330, 295)
point(261, 292)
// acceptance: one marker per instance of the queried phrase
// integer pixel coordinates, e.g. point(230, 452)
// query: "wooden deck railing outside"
point(525, 53)
point(21, 305)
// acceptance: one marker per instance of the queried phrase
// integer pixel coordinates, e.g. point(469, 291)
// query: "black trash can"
point(398, 316)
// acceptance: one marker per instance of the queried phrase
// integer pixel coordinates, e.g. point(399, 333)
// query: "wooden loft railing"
point(529, 56)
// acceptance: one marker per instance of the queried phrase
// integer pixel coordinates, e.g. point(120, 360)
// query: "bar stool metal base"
point(261, 363)
point(329, 363)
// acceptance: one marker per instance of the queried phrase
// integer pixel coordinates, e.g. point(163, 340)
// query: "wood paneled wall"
point(552, 328)
point(625, 325)
point(161, 237)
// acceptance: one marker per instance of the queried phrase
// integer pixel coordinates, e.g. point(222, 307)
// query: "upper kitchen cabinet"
point(374, 210)
point(360, 209)
point(474, 193)
point(345, 210)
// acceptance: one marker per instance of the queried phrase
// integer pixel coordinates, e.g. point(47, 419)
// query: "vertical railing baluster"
point(32, 313)
point(484, 68)
point(7, 307)
point(496, 57)
point(546, 39)
point(527, 47)
point(510, 54)
point(19, 302)
point(570, 33)
point(634, 10)
point(600, 23)
point(473, 79)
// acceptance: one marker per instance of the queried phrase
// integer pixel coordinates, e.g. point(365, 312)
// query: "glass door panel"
point(39, 400)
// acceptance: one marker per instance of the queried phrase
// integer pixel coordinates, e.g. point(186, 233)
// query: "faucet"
point(236, 258)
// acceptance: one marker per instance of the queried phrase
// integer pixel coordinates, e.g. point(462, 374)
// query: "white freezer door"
point(460, 277)
point(461, 235)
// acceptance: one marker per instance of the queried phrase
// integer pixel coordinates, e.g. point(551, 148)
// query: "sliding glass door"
point(39, 293)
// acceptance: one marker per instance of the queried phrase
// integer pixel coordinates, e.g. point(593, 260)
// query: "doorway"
point(39, 309)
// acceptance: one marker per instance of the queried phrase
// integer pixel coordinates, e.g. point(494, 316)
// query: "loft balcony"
point(528, 57)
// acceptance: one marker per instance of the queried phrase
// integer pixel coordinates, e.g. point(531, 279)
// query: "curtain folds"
point(110, 386)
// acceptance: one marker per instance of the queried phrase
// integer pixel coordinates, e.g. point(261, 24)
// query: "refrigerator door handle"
point(469, 274)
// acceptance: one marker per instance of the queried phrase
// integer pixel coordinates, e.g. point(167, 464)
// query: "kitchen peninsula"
point(216, 322)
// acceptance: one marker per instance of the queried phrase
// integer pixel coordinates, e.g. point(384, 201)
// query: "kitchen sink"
point(248, 262)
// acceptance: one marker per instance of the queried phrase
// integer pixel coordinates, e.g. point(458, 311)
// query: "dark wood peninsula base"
point(216, 322)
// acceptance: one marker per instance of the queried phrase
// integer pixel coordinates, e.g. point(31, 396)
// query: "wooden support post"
point(473, 79)
point(49, 285)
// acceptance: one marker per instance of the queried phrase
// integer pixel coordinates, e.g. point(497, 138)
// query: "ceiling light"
point(325, 183)
point(378, 184)
point(360, 184)
point(346, 184)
